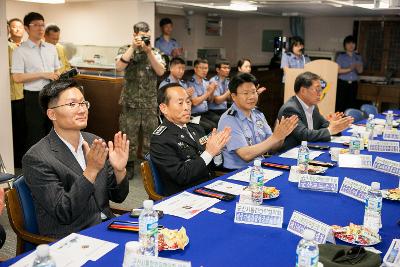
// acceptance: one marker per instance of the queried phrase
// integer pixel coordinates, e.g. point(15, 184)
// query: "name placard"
point(259, 215)
point(391, 135)
point(383, 146)
point(319, 183)
point(355, 161)
point(387, 165)
point(354, 189)
point(151, 261)
point(299, 222)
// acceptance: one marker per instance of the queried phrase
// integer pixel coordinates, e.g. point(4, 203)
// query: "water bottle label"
point(152, 228)
point(374, 204)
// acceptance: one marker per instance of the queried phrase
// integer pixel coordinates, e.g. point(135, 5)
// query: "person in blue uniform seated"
point(221, 94)
point(180, 150)
point(168, 45)
point(72, 174)
point(203, 94)
point(244, 66)
point(312, 126)
point(252, 137)
point(176, 71)
point(350, 66)
point(294, 58)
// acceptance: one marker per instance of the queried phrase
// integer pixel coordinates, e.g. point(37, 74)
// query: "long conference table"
point(215, 240)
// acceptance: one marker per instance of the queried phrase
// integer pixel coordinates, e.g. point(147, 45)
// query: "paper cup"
point(335, 151)
point(132, 248)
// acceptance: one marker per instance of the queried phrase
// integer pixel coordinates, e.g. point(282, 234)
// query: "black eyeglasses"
point(74, 105)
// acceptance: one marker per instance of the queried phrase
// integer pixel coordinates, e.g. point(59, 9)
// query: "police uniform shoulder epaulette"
point(160, 129)
point(341, 53)
point(205, 79)
point(305, 55)
point(157, 39)
point(167, 80)
point(288, 53)
point(356, 53)
point(192, 80)
point(182, 81)
point(173, 39)
point(232, 112)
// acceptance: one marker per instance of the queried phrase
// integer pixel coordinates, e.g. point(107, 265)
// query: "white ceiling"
point(288, 7)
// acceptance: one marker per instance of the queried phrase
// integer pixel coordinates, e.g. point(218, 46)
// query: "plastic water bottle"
point(43, 258)
point(355, 144)
point(370, 127)
point(307, 250)
point(303, 157)
point(256, 183)
point(389, 121)
point(373, 207)
point(148, 230)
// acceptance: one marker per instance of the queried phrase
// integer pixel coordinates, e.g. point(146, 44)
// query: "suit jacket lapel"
point(63, 154)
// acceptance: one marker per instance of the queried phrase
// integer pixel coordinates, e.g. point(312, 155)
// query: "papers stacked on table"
point(185, 205)
point(226, 187)
point(73, 250)
point(244, 176)
point(292, 154)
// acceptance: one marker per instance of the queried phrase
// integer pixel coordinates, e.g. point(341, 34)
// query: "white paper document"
point(341, 139)
point(355, 161)
point(186, 205)
point(382, 122)
point(73, 250)
point(244, 175)
point(293, 153)
point(226, 187)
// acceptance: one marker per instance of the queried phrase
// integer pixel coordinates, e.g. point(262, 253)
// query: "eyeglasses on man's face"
point(74, 105)
point(37, 25)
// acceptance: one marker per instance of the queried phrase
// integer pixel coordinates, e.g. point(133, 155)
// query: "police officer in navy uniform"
point(350, 66)
point(168, 45)
point(294, 58)
point(180, 150)
point(251, 135)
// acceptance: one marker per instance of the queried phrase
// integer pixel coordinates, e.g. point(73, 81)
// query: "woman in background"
point(295, 57)
point(244, 66)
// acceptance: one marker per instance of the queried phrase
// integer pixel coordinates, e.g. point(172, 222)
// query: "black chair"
point(5, 177)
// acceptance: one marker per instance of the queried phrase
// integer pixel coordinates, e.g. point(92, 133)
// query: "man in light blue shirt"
point(350, 66)
point(251, 136)
point(221, 94)
point(168, 45)
point(35, 64)
point(202, 95)
point(176, 71)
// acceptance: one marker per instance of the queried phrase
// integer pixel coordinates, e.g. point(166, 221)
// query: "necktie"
point(187, 131)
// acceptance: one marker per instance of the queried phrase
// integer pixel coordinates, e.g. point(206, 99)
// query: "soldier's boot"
point(130, 170)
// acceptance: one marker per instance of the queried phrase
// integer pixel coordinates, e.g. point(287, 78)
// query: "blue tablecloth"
point(215, 240)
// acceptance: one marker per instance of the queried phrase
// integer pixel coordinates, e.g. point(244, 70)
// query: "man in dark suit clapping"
point(312, 126)
point(72, 174)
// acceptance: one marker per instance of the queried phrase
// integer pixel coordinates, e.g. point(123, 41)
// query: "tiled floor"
point(134, 200)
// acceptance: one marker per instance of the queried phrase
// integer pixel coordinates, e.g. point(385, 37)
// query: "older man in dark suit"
point(312, 126)
point(73, 174)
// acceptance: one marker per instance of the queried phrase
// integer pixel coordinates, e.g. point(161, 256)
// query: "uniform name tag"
point(151, 261)
point(383, 146)
point(387, 165)
point(354, 189)
point(319, 183)
point(259, 215)
point(299, 222)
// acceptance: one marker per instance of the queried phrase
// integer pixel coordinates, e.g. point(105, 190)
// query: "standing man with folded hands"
point(312, 126)
point(73, 174)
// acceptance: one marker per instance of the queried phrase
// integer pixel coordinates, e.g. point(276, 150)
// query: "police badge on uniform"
point(259, 123)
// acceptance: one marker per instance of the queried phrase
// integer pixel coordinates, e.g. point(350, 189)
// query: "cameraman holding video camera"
point(142, 64)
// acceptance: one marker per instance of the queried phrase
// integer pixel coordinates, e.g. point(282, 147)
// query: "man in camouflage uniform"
point(139, 117)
